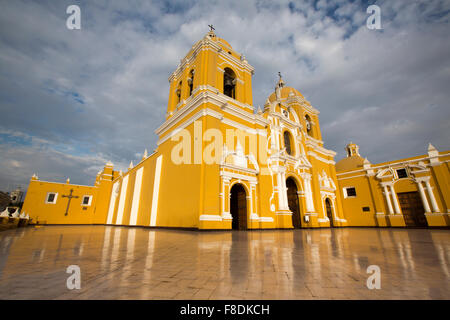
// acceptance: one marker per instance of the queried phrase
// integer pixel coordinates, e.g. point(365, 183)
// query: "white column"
point(223, 197)
point(155, 198)
point(273, 143)
point(112, 202)
point(254, 204)
point(136, 197)
point(431, 195)
point(394, 198)
point(424, 197)
point(388, 199)
point(277, 139)
point(123, 195)
point(308, 193)
point(250, 198)
point(283, 183)
point(280, 191)
point(226, 198)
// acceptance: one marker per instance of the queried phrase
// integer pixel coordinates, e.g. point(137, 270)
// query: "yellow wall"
point(38, 210)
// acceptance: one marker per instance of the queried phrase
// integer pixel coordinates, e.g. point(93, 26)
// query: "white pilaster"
point(253, 193)
point(112, 202)
point(394, 198)
point(136, 197)
point(431, 195)
point(308, 193)
point(283, 183)
point(123, 196)
point(155, 198)
point(424, 197)
point(277, 135)
point(282, 196)
point(388, 199)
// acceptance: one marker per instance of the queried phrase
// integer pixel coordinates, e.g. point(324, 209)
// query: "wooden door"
point(238, 207)
point(412, 209)
point(293, 202)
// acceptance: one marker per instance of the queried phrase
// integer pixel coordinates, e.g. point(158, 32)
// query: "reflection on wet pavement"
point(141, 263)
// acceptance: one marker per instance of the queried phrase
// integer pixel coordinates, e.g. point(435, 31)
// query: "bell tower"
point(352, 149)
point(213, 65)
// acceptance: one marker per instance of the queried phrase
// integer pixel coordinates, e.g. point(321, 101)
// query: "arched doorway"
point(293, 202)
point(329, 209)
point(238, 206)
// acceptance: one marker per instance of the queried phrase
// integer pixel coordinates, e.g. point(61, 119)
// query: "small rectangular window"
point(349, 192)
point(401, 173)
point(366, 209)
point(51, 197)
point(86, 201)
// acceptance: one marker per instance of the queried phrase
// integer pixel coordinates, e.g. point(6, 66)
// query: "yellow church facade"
point(220, 164)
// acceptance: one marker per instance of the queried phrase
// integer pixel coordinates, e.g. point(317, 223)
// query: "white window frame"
point(90, 200)
point(346, 196)
point(54, 200)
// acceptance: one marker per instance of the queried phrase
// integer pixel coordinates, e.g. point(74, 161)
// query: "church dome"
point(285, 91)
point(224, 42)
point(353, 159)
point(350, 163)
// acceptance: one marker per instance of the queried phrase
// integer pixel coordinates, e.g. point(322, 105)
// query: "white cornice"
point(313, 141)
point(209, 97)
point(284, 119)
point(391, 164)
point(224, 173)
point(66, 184)
point(314, 155)
point(198, 115)
point(321, 150)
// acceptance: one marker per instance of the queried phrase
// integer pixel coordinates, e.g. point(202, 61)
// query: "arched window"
point(229, 83)
point(287, 142)
point(308, 125)
point(178, 92)
point(191, 82)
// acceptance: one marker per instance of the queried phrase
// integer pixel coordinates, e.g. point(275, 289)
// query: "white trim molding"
point(156, 186)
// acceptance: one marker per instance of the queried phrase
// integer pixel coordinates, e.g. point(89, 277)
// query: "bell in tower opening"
point(229, 83)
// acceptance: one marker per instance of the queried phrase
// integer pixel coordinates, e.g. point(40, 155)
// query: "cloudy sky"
point(70, 100)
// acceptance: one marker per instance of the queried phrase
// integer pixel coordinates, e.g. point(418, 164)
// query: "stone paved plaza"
point(141, 263)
